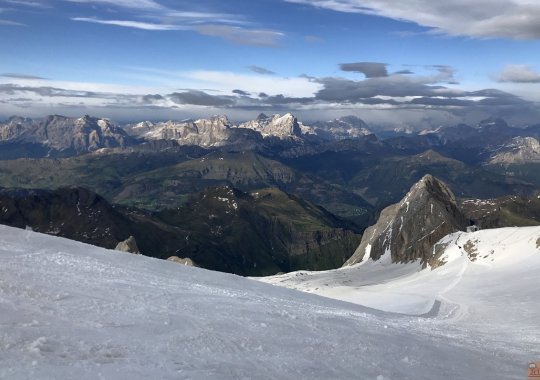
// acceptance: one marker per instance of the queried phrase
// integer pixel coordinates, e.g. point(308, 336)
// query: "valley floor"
point(69, 310)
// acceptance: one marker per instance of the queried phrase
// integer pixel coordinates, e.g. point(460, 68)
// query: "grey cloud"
point(240, 92)
point(21, 76)
point(200, 98)
point(442, 102)
point(369, 69)
point(480, 18)
point(404, 72)
point(151, 98)
point(518, 74)
point(47, 91)
point(260, 70)
point(239, 35)
point(350, 91)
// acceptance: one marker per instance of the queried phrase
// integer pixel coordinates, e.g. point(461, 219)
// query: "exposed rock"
point(61, 133)
point(520, 150)
point(128, 245)
point(184, 261)
point(204, 132)
point(407, 231)
point(214, 132)
point(283, 127)
point(346, 127)
point(73, 213)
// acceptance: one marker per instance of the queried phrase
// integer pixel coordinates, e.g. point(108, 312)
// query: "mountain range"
point(157, 180)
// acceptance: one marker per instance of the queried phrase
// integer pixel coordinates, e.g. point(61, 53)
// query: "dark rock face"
point(407, 231)
point(76, 213)
point(262, 233)
point(508, 211)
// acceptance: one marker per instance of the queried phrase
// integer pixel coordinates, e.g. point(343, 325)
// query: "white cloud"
point(131, 24)
point(272, 85)
point(241, 35)
point(480, 18)
point(518, 74)
point(10, 23)
point(133, 4)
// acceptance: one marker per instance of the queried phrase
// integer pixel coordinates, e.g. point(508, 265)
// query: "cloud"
point(241, 93)
point(11, 23)
point(31, 4)
point(133, 4)
point(518, 74)
point(395, 98)
point(149, 15)
point(200, 98)
point(404, 72)
point(313, 39)
point(243, 36)
point(369, 69)
point(131, 24)
point(260, 70)
point(21, 76)
point(516, 19)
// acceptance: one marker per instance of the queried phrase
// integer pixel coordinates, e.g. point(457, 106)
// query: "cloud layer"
point(518, 74)
point(517, 19)
point(393, 98)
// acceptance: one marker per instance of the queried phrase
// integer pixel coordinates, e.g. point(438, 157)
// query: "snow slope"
point(69, 310)
point(488, 288)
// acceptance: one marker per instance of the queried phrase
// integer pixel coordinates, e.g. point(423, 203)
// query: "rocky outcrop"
point(347, 127)
point(73, 213)
point(321, 249)
point(406, 231)
point(128, 245)
point(182, 261)
point(77, 135)
point(282, 127)
point(207, 133)
point(203, 132)
point(519, 151)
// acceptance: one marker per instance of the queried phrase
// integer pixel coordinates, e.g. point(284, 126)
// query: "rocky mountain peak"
point(345, 127)
point(283, 127)
point(518, 150)
point(61, 133)
point(406, 231)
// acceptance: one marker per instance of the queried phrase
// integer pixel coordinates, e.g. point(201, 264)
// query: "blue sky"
point(408, 63)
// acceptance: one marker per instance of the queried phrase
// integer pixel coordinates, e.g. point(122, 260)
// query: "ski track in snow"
point(69, 310)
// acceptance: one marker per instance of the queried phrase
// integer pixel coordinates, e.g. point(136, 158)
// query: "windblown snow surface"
point(485, 298)
point(73, 311)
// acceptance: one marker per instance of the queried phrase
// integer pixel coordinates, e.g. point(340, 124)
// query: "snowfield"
point(73, 311)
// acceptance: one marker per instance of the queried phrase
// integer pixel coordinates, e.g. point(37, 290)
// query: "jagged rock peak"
point(283, 127)
point(61, 133)
point(406, 231)
point(518, 150)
